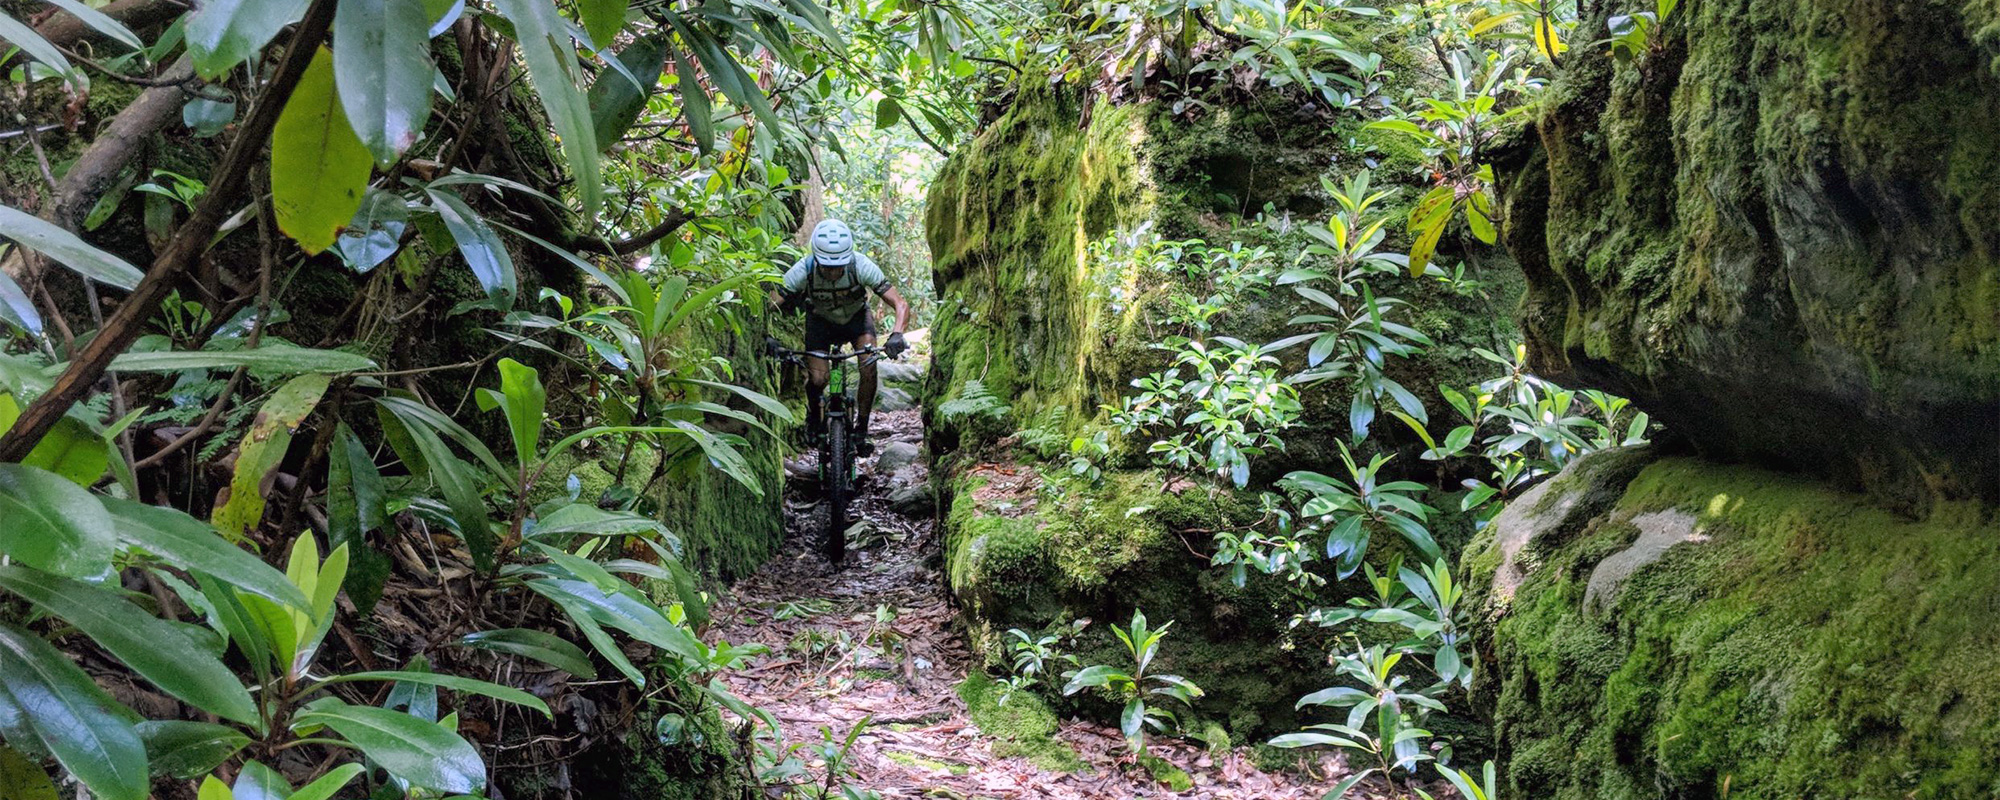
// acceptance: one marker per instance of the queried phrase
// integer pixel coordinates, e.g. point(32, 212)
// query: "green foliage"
point(1135, 685)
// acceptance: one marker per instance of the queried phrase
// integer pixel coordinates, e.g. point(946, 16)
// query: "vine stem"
point(181, 252)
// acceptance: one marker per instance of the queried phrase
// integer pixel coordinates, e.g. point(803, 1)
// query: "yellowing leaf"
point(319, 168)
point(263, 447)
point(1547, 39)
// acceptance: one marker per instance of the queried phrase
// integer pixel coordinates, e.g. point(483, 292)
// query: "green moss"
point(1170, 776)
point(1022, 726)
point(1813, 645)
point(914, 760)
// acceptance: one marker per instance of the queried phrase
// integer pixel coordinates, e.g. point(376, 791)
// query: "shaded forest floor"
point(876, 640)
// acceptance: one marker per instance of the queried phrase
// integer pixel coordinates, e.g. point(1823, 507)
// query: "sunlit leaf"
point(319, 168)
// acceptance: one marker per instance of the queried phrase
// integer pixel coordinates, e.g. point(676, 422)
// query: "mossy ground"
point(1022, 726)
point(1815, 645)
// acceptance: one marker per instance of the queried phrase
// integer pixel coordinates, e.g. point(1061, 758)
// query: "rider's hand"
point(896, 346)
point(772, 346)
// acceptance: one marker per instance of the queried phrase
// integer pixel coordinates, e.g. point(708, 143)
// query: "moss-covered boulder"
point(1668, 627)
point(1774, 231)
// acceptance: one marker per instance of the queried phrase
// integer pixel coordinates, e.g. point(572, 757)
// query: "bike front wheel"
point(839, 483)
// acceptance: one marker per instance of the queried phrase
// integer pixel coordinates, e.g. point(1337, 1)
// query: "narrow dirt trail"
point(876, 640)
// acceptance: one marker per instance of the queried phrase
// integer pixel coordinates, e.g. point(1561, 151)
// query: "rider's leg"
point(816, 376)
point(864, 396)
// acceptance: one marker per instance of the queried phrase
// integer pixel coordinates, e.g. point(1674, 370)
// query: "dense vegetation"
point(380, 411)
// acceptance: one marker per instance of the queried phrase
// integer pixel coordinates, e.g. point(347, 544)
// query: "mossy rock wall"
point(1674, 628)
point(1010, 218)
point(1776, 233)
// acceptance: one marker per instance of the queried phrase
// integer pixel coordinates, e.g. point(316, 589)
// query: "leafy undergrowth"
point(876, 641)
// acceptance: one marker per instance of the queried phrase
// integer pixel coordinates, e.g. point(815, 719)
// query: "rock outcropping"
point(1776, 231)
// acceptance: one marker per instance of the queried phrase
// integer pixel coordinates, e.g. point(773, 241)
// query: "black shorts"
point(821, 334)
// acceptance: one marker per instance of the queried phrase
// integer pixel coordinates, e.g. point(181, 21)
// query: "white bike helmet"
point(832, 244)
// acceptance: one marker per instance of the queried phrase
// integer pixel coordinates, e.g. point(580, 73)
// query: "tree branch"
point(109, 153)
point(625, 247)
point(187, 244)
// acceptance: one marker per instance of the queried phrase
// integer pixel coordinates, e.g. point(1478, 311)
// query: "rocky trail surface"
point(875, 640)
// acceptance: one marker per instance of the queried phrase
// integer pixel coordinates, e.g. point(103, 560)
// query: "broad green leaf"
point(545, 45)
point(694, 103)
point(187, 749)
point(602, 19)
point(1481, 226)
point(328, 784)
point(624, 612)
point(16, 308)
point(418, 414)
point(1092, 676)
point(415, 750)
point(458, 481)
point(70, 449)
point(589, 520)
point(190, 544)
point(65, 248)
point(455, 682)
point(376, 232)
point(887, 113)
point(149, 645)
point(263, 447)
point(87, 731)
point(21, 779)
point(722, 455)
point(382, 67)
point(244, 627)
point(521, 385)
point(52, 524)
point(259, 782)
point(207, 117)
point(442, 14)
point(355, 505)
point(599, 640)
point(212, 788)
point(615, 101)
point(538, 645)
point(282, 358)
point(481, 247)
point(221, 33)
point(319, 168)
point(98, 21)
point(18, 34)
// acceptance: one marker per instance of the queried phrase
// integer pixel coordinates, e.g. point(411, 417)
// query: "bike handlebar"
point(790, 354)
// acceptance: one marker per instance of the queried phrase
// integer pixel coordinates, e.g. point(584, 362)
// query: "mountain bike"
point(836, 449)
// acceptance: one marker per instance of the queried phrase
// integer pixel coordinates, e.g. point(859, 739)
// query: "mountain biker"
point(831, 284)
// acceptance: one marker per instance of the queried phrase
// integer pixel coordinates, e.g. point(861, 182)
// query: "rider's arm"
point(874, 277)
point(896, 301)
point(789, 292)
